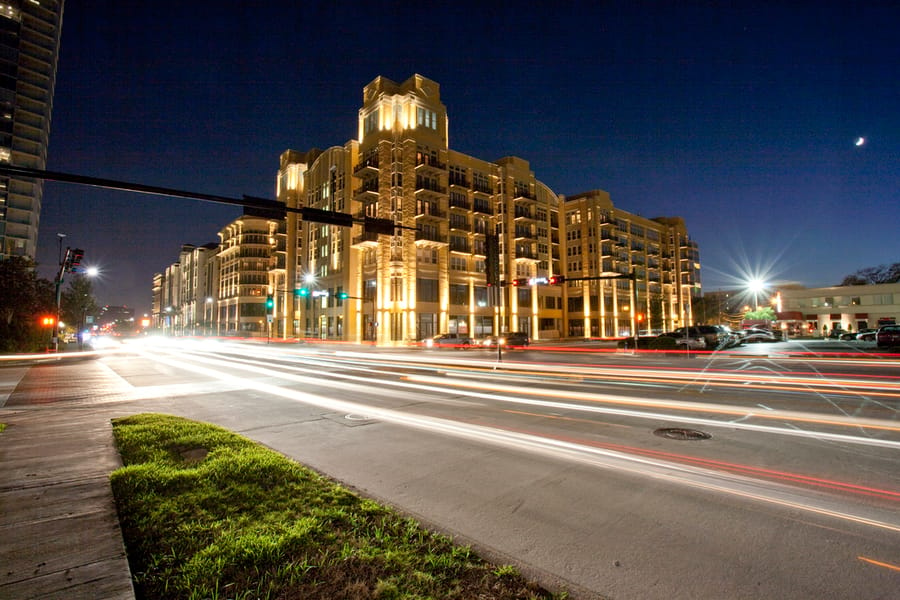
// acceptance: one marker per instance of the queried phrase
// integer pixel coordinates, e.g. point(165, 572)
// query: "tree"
point(24, 298)
point(874, 275)
point(77, 302)
point(763, 313)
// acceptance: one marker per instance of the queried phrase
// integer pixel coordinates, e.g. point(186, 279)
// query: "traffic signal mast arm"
point(261, 207)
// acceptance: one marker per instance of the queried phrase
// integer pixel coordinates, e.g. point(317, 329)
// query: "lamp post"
point(310, 280)
point(207, 314)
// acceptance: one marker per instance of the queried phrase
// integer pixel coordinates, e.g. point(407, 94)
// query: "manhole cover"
point(678, 433)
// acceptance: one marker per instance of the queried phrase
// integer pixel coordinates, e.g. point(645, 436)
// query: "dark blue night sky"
point(743, 120)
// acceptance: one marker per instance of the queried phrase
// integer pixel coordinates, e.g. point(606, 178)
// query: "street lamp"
point(756, 287)
point(207, 315)
point(310, 280)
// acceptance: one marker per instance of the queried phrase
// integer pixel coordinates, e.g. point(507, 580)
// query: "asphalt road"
point(618, 476)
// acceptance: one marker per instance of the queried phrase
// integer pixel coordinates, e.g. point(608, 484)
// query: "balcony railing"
point(367, 238)
point(430, 236)
point(483, 207)
point(430, 187)
point(436, 213)
point(460, 203)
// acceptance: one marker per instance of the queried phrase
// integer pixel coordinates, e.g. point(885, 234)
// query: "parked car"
point(866, 335)
point(449, 340)
point(512, 339)
point(690, 338)
point(715, 336)
point(888, 336)
point(756, 335)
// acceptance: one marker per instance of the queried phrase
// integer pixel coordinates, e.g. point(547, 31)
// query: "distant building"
point(114, 315)
point(199, 286)
point(29, 47)
point(847, 308)
point(246, 250)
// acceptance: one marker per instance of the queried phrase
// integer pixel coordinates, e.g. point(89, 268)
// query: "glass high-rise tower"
point(29, 47)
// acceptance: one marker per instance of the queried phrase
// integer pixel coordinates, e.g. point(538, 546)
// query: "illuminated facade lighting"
point(30, 47)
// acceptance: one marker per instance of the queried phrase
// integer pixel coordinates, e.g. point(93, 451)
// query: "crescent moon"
point(860, 141)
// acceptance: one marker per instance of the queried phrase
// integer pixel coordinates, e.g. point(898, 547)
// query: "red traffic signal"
point(557, 280)
point(519, 282)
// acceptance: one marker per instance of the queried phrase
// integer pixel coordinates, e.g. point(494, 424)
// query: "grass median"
point(209, 514)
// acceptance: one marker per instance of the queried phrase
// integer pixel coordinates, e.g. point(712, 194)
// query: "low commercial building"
point(846, 308)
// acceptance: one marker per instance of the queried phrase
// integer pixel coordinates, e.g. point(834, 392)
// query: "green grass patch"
point(209, 514)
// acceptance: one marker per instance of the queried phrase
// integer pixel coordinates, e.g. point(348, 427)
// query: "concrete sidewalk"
point(59, 531)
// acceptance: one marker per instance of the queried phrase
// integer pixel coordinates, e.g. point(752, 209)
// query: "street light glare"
point(756, 285)
point(92, 271)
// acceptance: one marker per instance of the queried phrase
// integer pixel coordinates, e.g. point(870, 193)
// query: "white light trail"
point(675, 473)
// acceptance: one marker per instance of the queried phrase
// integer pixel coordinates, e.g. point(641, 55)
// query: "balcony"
point(430, 164)
point(368, 239)
point(462, 203)
point(482, 206)
point(432, 212)
point(525, 196)
point(369, 166)
point(424, 188)
point(366, 193)
point(523, 214)
point(428, 238)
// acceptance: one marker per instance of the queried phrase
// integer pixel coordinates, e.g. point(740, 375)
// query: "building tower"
point(29, 46)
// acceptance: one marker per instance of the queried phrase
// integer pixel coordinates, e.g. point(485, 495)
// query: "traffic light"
point(343, 295)
point(519, 282)
point(77, 255)
point(639, 317)
point(270, 304)
point(302, 292)
point(48, 321)
point(557, 280)
point(73, 259)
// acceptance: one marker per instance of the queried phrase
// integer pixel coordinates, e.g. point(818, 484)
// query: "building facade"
point(245, 258)
point(845, 308)
point(473, 250)
point(29, 47)
point(430, 277)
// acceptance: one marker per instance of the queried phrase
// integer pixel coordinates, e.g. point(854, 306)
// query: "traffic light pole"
point(559, 280)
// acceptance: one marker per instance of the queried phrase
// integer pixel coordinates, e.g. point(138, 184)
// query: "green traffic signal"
point(270, 303)
point(302, 292)
point(343, 295)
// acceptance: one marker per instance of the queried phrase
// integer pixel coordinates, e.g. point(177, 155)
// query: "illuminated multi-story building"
point(430, 276)
point(475, 249)
point(29, 46)
point(651, 261)
point(245, 258)
point(199, 282)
